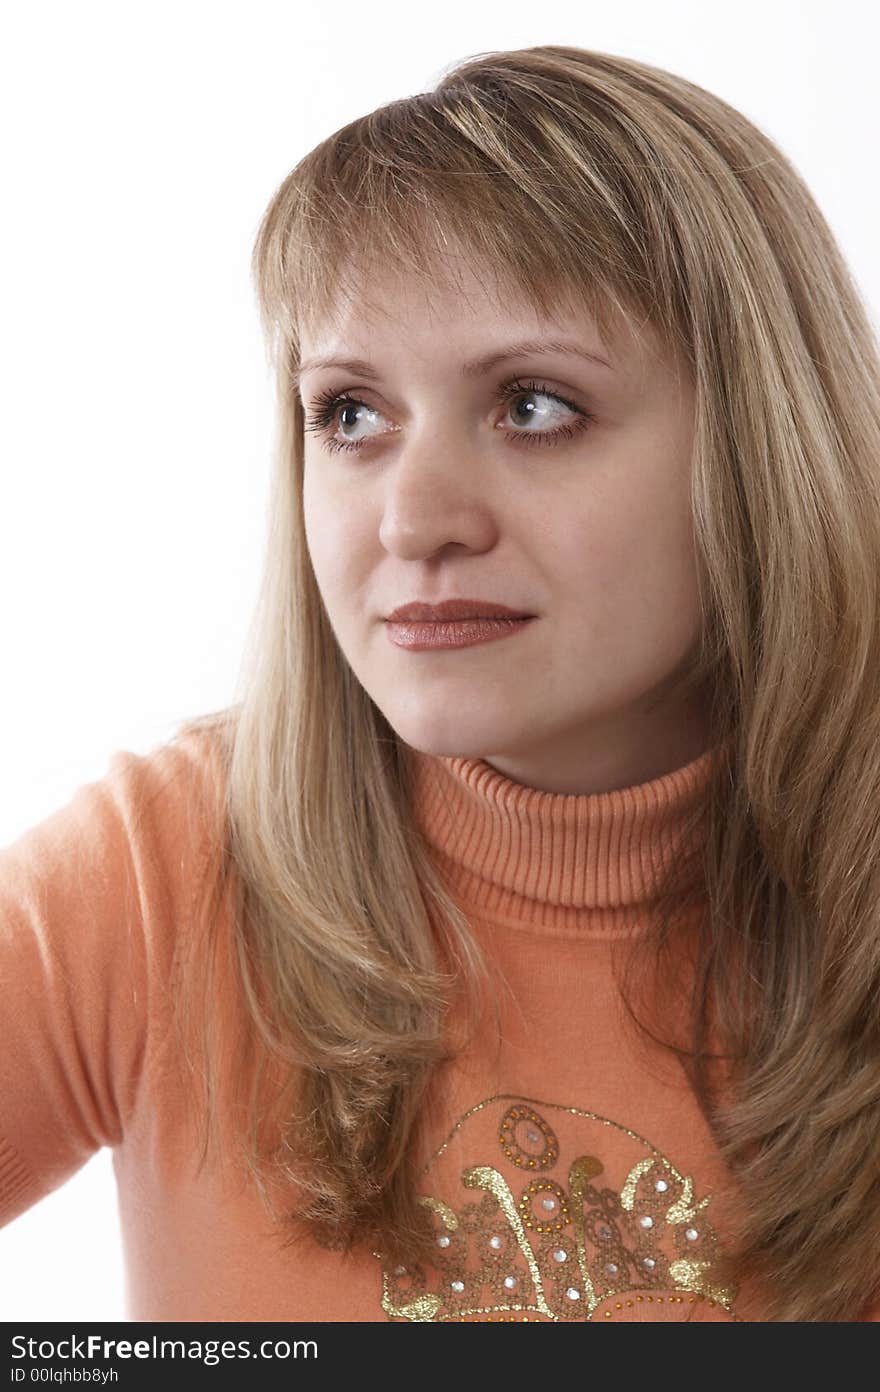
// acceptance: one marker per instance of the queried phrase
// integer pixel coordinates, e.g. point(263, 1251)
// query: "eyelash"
point(328, 403)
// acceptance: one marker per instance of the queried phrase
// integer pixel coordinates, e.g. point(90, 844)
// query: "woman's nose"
point(435, 493)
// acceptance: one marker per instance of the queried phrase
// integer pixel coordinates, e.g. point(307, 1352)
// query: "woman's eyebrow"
point(473, 367)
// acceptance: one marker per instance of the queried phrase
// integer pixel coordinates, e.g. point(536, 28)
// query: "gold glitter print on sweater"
point(534, 1222)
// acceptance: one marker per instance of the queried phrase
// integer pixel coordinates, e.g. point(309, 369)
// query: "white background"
point(141, 143)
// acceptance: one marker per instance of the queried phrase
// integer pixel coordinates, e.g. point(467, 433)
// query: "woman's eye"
point(539, 417)
point(355, 413)
point(333, 414)
point(524, 411)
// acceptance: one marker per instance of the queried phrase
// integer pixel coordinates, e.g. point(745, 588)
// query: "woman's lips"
point(458, 633)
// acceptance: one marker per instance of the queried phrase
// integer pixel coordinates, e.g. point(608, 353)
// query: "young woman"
point(516, 957)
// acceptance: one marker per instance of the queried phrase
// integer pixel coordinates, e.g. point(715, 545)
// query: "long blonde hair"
point(663, 204)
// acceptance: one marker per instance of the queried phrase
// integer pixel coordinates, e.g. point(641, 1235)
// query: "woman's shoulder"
point(176, 791)
point(96, 901)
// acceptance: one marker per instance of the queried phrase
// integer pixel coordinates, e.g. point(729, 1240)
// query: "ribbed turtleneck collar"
point(553, 860)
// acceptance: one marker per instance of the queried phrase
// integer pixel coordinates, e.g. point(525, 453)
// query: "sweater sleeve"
point(90, 901)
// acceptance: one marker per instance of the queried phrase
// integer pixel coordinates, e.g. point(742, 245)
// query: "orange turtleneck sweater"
point(570, 1172)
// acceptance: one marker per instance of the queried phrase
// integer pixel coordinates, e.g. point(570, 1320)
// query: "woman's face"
point(453, 493)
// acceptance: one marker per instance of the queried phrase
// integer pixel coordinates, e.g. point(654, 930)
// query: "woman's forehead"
point(381, 299)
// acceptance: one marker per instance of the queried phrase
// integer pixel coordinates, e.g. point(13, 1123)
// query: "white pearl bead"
point(661, 1186)
point(646, 1222)
point(611, 1268)
point(560, 1254)
point(510, 1282)
point(691, 1234)
point(457, 1286)
point(549, 1204)
point(573, 1294)
point(649, 1262)
point(533, 1135)
point(496, 1242)
point(443, 1240)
